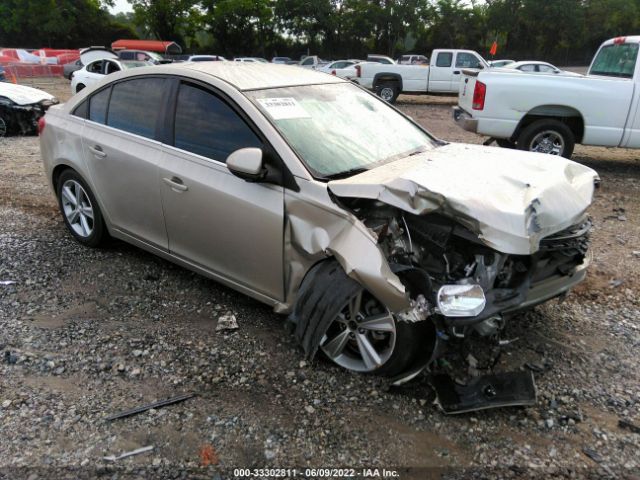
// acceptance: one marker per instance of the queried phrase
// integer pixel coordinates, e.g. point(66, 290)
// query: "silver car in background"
point(313, 196)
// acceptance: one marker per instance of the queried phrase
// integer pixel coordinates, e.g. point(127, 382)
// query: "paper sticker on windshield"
point(283, 108)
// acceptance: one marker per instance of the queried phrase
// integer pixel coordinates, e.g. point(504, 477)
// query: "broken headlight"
point(461, 300)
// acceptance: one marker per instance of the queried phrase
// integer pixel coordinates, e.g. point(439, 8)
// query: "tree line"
point(561, 31)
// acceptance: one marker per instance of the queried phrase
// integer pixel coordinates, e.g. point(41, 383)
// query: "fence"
point(32, 75)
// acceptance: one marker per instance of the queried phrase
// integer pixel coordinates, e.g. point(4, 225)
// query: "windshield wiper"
point(346, 173)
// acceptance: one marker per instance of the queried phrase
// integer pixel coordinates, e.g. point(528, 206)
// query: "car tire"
point(327, 297)
point(79, 87)
point(4, 126)
point(80, 210)
point(547, 136)
point(388, 91)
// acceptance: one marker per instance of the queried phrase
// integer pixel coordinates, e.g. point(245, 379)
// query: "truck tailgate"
point(467, 85)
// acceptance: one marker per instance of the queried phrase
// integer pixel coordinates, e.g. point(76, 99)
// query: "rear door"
point(122, 155)
point(440, 72)
point(215, 220)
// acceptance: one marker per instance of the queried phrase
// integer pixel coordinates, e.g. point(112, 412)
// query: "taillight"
point(358, 71)
point(41, 125)
point(479, 92)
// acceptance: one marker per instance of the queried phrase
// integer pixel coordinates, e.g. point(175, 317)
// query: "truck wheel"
point(388, 92)
point(547, 136)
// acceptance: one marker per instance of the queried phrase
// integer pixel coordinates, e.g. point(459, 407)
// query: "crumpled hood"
point(511, 199)
point(23, 95)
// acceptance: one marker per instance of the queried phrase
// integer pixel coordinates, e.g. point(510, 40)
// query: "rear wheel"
point(547, 136)
point(388, 91)
point(80, 210)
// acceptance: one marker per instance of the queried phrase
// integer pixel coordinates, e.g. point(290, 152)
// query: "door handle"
point(97, 151)
point(176, 184)
point(456, 72)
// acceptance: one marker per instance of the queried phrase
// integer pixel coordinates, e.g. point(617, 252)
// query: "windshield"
point(617, 60)
point(339, 128)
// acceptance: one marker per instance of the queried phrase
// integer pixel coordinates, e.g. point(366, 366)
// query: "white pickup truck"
point(442, 76)
point(551, 113)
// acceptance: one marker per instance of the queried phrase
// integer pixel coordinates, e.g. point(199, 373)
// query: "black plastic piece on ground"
point(144, 408)
point(491, 391)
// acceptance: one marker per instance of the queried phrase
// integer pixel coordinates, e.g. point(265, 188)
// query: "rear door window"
point(98, 106)
point(207, 126)
point(95, 67)
point(444, 59)
point(135, 105)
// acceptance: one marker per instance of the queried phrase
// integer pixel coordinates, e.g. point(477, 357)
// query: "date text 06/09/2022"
point(315, 473)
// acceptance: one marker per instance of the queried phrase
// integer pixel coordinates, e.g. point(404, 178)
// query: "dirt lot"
point(86, 333)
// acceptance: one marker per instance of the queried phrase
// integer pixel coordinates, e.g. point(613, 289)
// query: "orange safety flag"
point(494, 48)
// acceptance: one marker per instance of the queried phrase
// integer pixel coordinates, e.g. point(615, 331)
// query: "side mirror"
point(246, 163)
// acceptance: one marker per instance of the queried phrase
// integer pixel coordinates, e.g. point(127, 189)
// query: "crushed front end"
point(16, 119)
point(461, 284)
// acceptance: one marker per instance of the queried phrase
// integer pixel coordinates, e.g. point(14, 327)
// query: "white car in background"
point(99, 62)
point(500, 63)
point(538, 67)
point(340, 68)
point(250, 60)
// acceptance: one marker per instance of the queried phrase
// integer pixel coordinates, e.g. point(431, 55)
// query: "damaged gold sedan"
point(312, 195)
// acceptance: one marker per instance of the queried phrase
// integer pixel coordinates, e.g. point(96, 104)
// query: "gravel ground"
point(87, 333)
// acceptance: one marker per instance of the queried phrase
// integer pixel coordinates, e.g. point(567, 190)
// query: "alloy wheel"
point(548, 141)
point(362, 337)
point(77, 208)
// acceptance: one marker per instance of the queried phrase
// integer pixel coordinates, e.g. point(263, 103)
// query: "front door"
point(214, 219)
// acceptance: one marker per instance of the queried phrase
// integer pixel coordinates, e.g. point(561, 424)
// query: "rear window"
point(444, 59)
point(135, 105)
point(616, 60)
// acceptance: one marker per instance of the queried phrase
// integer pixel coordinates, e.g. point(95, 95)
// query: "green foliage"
point(554, 30)
point(58, 24)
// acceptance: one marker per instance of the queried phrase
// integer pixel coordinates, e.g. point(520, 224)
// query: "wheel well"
point(387, 78)
point(57, 171)
point(567, 115)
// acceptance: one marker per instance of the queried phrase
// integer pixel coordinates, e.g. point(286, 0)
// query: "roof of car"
point(255, 76)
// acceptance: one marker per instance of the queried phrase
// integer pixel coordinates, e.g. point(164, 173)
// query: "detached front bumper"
point(464, 120)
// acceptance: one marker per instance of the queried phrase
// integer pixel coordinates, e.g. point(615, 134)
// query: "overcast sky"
point(121, 6)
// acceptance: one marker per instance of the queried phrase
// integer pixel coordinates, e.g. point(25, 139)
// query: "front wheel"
point(353, 329)
point(547, 136)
